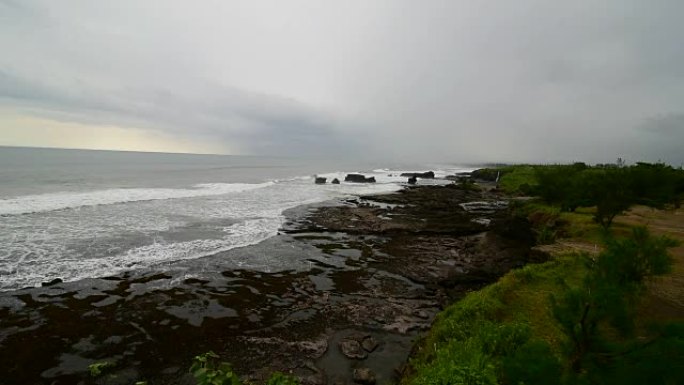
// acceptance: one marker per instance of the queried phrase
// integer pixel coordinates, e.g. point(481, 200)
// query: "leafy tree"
point(609, 294)
point(609, 191)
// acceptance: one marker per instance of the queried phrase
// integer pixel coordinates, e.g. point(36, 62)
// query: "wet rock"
point(482, 221)
point(352, 349)
point(369, 344)
point(364, 376)
point(483, 207)
point(359, 178)
point(320, 180)
point(335, 181)
point(53, 282)
point(425, 175)
point(422, 314)
point(412, 180)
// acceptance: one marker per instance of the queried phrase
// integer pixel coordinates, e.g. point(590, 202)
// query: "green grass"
point(473, 340)
point(515, 331)
point(516, 177)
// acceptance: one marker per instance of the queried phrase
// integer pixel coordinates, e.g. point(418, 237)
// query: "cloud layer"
point(456, 81)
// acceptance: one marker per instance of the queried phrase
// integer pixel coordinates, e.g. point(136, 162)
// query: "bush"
point(532, 364)
point(208, 371)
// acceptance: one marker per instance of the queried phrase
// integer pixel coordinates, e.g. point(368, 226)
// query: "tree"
point(609, 293)
point(610, 191)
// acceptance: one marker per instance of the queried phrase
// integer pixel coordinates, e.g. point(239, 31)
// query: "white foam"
point(63, 200)
point(151, 228)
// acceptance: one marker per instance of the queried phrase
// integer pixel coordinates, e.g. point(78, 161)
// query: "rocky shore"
point(370, 275)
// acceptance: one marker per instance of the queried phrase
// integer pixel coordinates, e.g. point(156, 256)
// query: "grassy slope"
point(460, 342)
point(471, 339)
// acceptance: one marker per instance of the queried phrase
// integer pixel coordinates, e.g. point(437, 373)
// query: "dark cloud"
point(529, 80)
point(253, 123)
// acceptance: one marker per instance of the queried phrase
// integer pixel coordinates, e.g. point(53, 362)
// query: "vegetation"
point(570, 320)
point(98, 368)
point(565, 321)
point(610, 189)
point(207, 370)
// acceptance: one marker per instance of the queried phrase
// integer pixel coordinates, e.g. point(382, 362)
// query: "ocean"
point(75, 214)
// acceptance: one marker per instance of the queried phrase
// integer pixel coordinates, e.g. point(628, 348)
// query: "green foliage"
point(282, 379)
point(98, 368)
point(611, 189)
point(532, 364)
point(656, 184)
point(207, 371)
point(480, 340)
point(659, 362)
point(488, 174)
point(608, 295)
point(467, 184)
point(546, 235)
point(631, 260)
point(518, 180)
point(566, 321)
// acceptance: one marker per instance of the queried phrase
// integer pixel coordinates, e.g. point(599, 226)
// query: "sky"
point(457, 81)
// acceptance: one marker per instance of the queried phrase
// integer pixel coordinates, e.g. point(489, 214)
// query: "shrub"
point(207, 371)
point(98, 368)
point(532, 364)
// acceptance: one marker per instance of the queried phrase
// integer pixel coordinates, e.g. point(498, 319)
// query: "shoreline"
point(374, 271)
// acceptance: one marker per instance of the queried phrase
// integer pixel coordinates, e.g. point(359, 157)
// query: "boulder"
point(486, 174)
point(412, 180)
point(369, 344)
point(364, 376)
point(335, 181)
point(320, 180)
point(352, 349)
point(53, 282)
point(424, 175)
point(359, 178)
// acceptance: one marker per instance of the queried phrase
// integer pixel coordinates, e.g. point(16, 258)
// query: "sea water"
point(74, 214)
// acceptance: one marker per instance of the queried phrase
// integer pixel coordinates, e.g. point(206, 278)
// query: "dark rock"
point(483, 207)
point(487, 174)
point(53, 282)
point(364, 376)
point(412, 180)
point(358, 178)
point(422, 314)
point(352, 349)
point(335, 181)
point(320, 180)
point(369, 344)
point(425, 175)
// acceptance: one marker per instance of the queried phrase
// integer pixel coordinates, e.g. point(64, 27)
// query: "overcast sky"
point(460, 81)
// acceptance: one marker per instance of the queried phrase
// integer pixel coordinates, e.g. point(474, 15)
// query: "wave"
point(67, 200)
